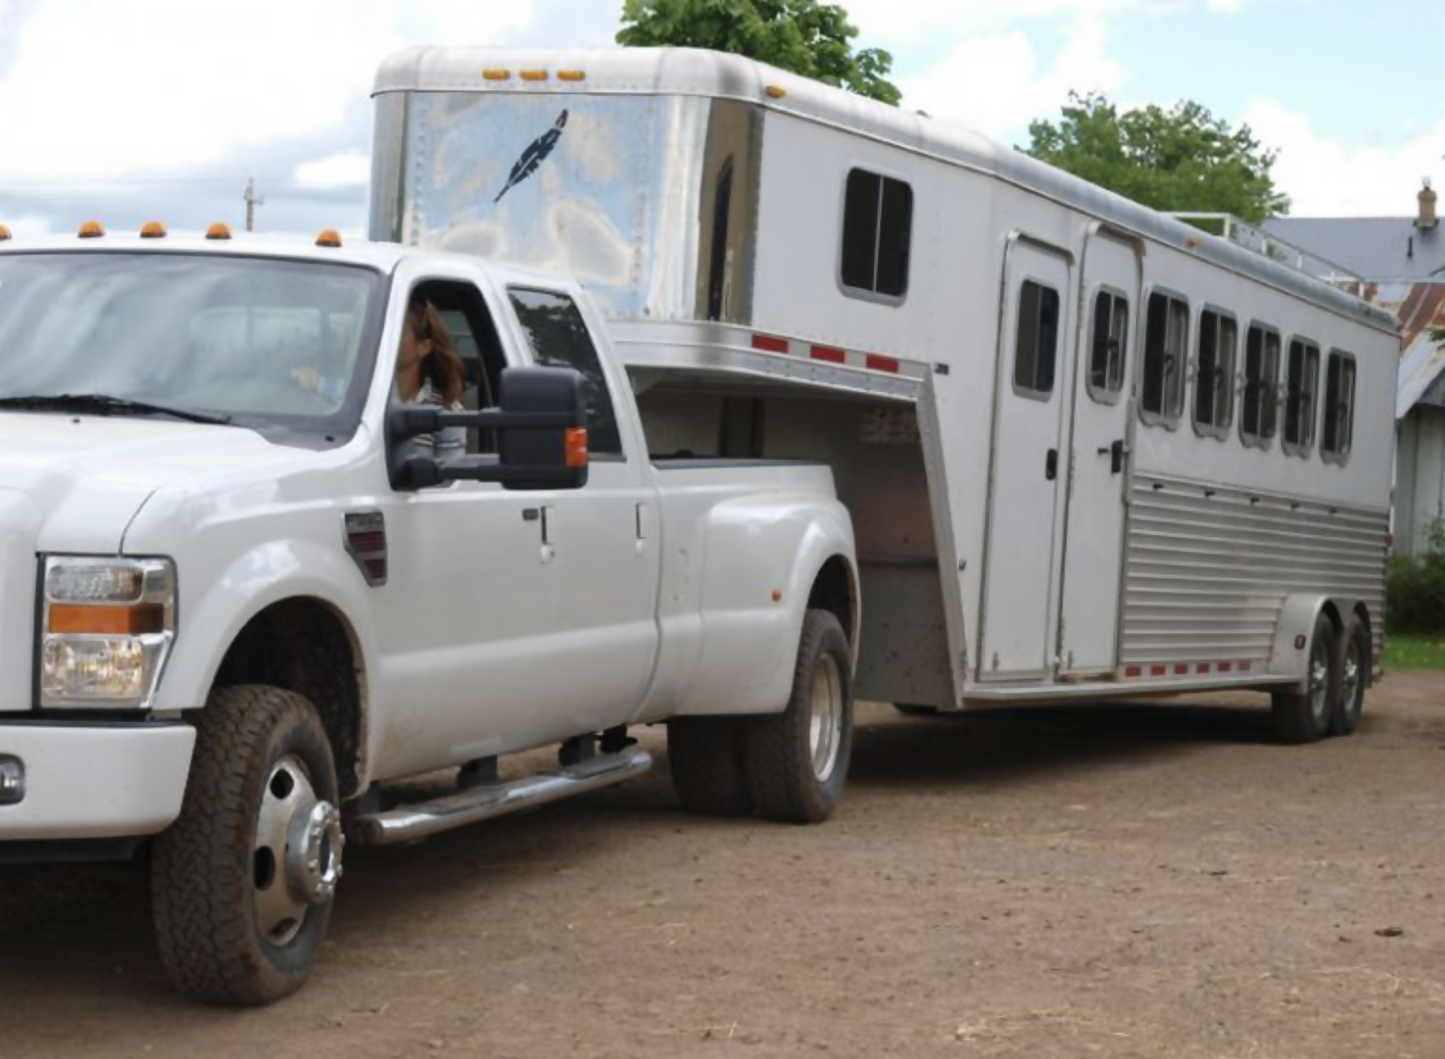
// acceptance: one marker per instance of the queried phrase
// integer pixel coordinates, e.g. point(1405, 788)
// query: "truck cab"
point(249, 580)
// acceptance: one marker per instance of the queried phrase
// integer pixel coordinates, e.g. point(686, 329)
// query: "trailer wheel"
point(1355, 651)
point(242, 883)
point(1305, 717)
point(797, 760)
point(705, 756)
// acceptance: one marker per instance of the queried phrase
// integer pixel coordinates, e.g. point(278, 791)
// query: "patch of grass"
point(1414, 652)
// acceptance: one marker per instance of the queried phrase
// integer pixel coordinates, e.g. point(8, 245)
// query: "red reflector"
point(1204, 667)
point(1389, 541)
point(1244, 667)
point(769, 344)
point(828, 353)
point(1134, 671)
point(1225, 667)
point(1181, 669)
point(876, 363)
point(1158, 671)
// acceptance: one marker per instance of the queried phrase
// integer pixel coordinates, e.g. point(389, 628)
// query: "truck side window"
point(474, 337)
point(559, 339)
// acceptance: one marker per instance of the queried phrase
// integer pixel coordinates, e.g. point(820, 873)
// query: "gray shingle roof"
point(1375, 248)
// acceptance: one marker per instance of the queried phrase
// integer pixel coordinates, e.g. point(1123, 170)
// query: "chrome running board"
point(409, 822)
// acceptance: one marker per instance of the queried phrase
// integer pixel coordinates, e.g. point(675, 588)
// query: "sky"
point(131, 110)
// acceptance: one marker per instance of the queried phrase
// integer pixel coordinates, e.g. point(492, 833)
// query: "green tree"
point(805, 36)
point(1182, 159)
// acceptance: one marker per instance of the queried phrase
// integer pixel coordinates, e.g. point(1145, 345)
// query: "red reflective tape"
point(828, 353)
point(1244, 667)
point(769, 344)
point(1181, 669)
point(1203, 667)
point(1225, 667)
point(876, 363)
point(1158, 671)
point(1134, 671)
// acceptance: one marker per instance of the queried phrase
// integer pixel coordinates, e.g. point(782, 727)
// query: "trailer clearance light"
point(774, 92)
point(218, 230)
point(571, 75)
point(330, 238)
point(497, 75)
point(106, 628)
point(533, 75)
point(153, 230)
point(91, 230)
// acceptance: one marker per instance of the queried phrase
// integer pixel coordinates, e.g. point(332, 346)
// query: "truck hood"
point(87, 476)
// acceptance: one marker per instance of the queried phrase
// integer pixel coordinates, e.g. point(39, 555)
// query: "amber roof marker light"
point(91, 230)
point(219, 230)
point(330, 238)
point(153, 230)
point(4, 233)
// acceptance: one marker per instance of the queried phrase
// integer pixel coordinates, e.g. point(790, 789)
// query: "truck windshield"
point(259, 342)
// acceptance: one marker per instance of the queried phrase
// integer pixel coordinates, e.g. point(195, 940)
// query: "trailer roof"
point(694, 72)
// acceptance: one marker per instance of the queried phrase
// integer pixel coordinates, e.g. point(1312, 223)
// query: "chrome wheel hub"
point(1350, 679)
point(296, 859)
point(1319, 681)
point(825, 723)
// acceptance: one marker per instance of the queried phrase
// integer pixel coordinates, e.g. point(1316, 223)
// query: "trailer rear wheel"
point(242, 882)
point(705, 757)
point(1355, 651)
point(1305, 717)
point(797, 760)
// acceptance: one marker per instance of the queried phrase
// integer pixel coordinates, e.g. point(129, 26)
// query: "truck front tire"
point(797, 760)
point(242, 882)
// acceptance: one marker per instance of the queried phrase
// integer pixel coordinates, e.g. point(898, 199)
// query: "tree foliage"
point(805, 36)
point(1180, 159)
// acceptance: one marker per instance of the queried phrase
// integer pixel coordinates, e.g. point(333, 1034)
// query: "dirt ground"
point(1112, 880)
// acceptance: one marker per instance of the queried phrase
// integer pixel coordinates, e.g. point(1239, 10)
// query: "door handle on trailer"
point(1116, 453)
point(1051, 465)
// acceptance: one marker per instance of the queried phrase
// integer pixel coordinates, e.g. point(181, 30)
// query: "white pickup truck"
point(239, 595)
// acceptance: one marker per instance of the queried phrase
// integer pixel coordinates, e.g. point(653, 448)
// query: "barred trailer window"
point(1337, 432)
point(1214, 373)
point(1109, 341)
point(1166, 337)
point(1301, 397)
point(1259, 399)
point(1036, 347)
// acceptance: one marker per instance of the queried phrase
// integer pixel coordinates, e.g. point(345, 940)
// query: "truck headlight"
point(106, 628)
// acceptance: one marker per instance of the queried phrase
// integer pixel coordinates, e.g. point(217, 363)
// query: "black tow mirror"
point(540, 426)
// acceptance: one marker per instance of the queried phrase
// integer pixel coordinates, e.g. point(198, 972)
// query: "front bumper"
point(95, 780)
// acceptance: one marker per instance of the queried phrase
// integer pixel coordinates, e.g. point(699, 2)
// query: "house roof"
point(1377, 248)
point(1420, 308)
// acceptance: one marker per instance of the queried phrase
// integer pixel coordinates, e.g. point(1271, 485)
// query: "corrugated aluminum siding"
point(1207, 568)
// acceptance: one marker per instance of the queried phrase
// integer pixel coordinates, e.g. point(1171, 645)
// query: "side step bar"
point(409, 822)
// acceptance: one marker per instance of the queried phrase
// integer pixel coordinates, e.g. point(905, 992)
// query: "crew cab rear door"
point(602, 538)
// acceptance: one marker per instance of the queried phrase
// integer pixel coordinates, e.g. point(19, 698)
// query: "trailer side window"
point(1109, 341)
point(1214, 373)
point(1261, 384)
point(1301, 395)
point(1166, 337)
point(877, 229)
point(559, 338)
point(1036, 346)
point(1338, 432)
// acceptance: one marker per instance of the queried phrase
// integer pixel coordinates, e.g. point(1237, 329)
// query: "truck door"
point(1103, 413)
point(1026, 471)
point(603, 538)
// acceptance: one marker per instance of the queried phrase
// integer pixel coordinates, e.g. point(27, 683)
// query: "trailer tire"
point(1354, 676)
point(797, 760)
point(1306, 716)
point(242, 883)
point(705, 757)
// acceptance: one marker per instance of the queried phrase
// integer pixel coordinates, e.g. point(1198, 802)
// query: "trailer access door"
point(1025, 466)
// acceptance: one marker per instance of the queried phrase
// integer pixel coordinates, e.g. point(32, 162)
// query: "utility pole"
point(252, 201)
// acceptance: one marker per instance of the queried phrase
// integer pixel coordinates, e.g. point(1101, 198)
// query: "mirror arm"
point(409, 421)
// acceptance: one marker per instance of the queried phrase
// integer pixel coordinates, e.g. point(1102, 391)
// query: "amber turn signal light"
point(107, 620)
point(577, 448)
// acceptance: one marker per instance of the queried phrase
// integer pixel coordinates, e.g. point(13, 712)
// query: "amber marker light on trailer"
point(219, 230)
point(91, 230)
point(775, 92)
point(533, 75)
point(577, 447)
point(153, 230)
point(329, 237)
point(496, 75)
point(571, 75)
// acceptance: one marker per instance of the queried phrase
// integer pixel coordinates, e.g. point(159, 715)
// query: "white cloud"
point(1326, 178)
point(340, 170)
point(100, 90)
point(995, 83)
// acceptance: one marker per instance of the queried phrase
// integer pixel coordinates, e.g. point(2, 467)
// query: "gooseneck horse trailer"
point(1089, 451)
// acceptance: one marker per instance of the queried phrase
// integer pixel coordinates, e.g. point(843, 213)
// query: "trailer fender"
point(1289, 655)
